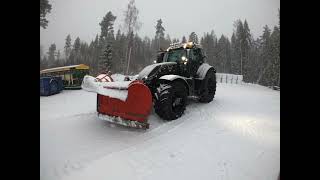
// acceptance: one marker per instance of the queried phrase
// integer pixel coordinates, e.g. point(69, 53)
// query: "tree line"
point(124, 51)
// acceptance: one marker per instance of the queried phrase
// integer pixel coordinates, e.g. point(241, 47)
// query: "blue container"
point(50, 85)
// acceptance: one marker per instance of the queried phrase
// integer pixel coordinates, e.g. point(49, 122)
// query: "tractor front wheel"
point(171, 100)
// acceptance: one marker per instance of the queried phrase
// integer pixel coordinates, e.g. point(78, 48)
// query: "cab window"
point(195, 55)
point(176, 55)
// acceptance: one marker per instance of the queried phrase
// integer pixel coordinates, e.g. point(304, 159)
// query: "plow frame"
point(124, 122)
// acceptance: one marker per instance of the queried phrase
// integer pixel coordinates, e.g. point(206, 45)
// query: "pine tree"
point(275, 54)
point(265, 57)
point(74, 57)
point(105, 60)
point(193, 38)
point(45, 8)
point(184, 40)
point(58, 59)
point(159, 33)
point(67, 46)
point(76, 45)
point(235, 63)
point(246, 46)
point(106, 26)
point(241, 49)
point(106, 41)
point(208, 44)
point(223, 55)
point(51, 55)
point(95, 53)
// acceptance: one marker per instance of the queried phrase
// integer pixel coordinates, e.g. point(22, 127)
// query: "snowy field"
point(235, 137)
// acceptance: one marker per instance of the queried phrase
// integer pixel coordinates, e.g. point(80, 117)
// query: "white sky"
point(180, 17)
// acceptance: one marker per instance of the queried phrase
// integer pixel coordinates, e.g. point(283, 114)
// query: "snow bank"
point(116, 90)
point(118, 77)
point(114, 93)
point(90, 84)
point(117, 84)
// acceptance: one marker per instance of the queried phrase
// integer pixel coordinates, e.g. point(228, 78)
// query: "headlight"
point(183, 58)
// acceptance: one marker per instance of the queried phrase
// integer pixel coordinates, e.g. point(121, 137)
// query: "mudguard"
point(173, 77)
point(203, 69)
point(149, 70)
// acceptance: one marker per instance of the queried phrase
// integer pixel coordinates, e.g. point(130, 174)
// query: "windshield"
point(175, 55)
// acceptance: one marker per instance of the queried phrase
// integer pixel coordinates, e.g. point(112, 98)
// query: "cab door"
point(194, 61)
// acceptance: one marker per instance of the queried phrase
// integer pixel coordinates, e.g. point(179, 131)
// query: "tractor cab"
point(189, 56)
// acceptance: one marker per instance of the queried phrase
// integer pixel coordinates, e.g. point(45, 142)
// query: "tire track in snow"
point(194, 121)
point(161, 128)
point(83, 158)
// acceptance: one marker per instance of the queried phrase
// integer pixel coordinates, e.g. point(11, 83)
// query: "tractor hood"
point(152, 69)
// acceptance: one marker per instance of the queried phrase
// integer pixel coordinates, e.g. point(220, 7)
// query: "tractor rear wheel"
point(208, 87)
point(170, 101)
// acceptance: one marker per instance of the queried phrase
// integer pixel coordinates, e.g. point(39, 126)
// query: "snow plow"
point(126, 103)
point(179, 72)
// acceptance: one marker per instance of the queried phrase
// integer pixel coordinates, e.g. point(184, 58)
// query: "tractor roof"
point(188, 45)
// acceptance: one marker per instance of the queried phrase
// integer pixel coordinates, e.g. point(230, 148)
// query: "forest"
point(124, 51)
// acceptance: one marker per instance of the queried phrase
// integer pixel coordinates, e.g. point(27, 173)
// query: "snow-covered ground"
point(235, 137)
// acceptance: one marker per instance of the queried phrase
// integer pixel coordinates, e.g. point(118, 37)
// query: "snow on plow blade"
point(126, 103)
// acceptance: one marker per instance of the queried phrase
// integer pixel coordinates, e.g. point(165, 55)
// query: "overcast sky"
point(180, 17)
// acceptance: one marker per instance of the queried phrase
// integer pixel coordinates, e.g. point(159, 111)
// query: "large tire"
point(171, 98)
point(208, 89)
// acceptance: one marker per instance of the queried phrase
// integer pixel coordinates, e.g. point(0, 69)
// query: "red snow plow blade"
point(132, 112)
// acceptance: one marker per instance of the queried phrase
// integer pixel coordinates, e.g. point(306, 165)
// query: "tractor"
point(178, 73)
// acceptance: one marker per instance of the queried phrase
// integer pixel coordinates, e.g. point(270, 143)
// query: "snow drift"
point(116, 89)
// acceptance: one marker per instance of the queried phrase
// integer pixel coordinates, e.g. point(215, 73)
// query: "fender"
point(173, 77)
point(153, 68)
point(203, 69)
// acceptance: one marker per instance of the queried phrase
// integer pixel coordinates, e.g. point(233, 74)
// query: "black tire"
point(208, 89)
point(171, 98)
